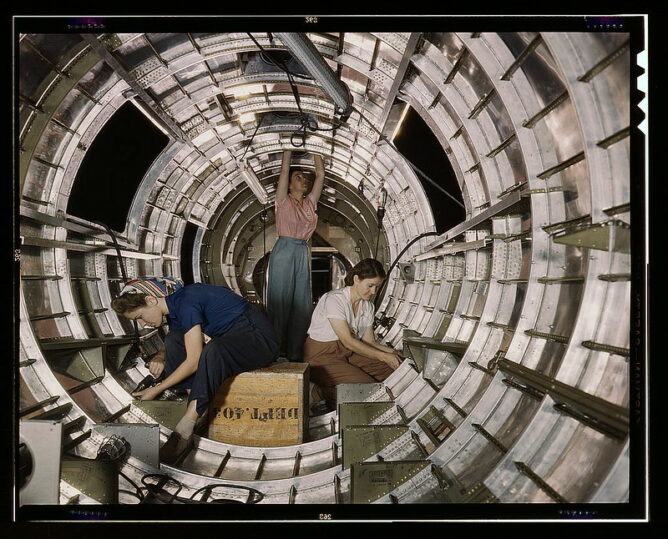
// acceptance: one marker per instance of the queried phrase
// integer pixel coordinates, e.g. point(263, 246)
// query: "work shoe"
point(175, 446)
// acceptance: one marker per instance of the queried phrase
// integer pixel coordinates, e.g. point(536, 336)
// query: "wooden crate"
point(265, 407)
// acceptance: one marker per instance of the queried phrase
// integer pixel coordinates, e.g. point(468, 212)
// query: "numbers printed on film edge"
point(311, 20)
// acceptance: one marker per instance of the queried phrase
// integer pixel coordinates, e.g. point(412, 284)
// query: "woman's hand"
point(393, 360)
point(156, 366)
point(149, 393)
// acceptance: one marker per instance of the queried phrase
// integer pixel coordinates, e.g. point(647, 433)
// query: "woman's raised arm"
point(284, 177)
point(319, 181)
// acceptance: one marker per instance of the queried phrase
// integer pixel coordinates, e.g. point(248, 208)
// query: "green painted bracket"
point(609, 236)
point(361, 413)
point(117, 354)
point(362, 442)
point(84, 364)
point(166, 413)
point(372, 480)
point(455, 492)
point(359, 392)
point(454, 347)
point(95, 478)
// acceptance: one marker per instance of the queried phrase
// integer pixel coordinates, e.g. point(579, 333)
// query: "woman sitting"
point(213, 334)
point(341, 346)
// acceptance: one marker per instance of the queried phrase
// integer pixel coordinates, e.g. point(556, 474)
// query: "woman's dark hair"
point(369, 268)
point(128, 302)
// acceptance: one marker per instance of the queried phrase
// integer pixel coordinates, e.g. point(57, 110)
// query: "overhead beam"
point(411, 45)
point(109, 58)
point(505, 206)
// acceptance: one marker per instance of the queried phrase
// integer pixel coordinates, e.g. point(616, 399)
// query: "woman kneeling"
point(213, 334)
point(341, 347)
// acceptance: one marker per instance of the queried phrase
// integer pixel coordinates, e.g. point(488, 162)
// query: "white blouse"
point(336, 304)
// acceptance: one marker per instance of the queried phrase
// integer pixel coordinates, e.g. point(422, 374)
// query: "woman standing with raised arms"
point(289, 302)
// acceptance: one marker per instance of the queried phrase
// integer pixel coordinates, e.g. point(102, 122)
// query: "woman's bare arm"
point(342, 331)
point(284, 177)
point(194, 344)
point(319, 182)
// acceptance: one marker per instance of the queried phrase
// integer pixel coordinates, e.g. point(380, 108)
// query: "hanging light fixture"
point(248, 174)
point(308, 56)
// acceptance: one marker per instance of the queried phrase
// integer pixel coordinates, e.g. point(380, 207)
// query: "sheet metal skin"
point(471, 111)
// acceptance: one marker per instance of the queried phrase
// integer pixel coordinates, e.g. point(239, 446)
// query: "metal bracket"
point(612, 235)
point(84, 364)
point(166, 413)
point(407, 272)
point(361, 413)
point(97, 479)
point(363, 392)
point(362, 442)
point(370, 481)
point(143, 440)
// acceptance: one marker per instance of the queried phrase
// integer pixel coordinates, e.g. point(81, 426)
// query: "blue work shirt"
point(214, 307)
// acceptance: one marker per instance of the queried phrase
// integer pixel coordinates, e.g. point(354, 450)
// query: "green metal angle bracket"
point(361, 413)
point(362, 442)
point(84, 365)
point(167, 413)
point(612, 235)
point(95, 478)
point(370, 481)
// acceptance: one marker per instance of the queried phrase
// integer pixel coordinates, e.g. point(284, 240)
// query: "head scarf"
point(158, 287)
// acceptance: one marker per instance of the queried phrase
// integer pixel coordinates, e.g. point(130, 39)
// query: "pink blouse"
point(296, 220)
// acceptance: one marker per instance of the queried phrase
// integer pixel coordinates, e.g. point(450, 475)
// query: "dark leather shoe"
point(175, 447)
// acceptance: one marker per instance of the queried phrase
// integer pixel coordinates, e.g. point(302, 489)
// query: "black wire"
point(252, 137)
point(276, 61)
point(123, 274)
point(156, 490)
point(212, 486)
point(139, 493)
point(382, 286)
point(306, 122)
point(416, 169)
point(160, 493)
point(118, 250)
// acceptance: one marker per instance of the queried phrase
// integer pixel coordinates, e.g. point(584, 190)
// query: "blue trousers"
point(249, 344)
point(289, 303)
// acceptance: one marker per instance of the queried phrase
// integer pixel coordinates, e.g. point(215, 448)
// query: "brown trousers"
point(331, 363)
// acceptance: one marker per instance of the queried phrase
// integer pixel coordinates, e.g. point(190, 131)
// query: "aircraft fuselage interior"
point(489, 172)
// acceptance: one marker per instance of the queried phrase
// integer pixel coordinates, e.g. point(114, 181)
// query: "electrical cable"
point(382, 286)
point(124, 274)
point(212, 486)
point(164, 496)
point(413, 166)
point(139, 493)
point(304, 126)
point(140, 497)
point(307, 123)
point(252, 137)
